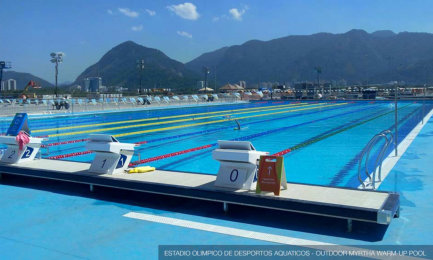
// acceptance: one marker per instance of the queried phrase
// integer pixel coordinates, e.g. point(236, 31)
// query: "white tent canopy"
point(205, 89)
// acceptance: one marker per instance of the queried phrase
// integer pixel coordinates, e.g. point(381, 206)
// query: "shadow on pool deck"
point(363, 231)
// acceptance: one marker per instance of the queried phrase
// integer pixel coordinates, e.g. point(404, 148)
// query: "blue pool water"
point(327, 137)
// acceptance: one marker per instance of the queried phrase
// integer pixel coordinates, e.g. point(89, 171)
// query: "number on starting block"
point(232, 177)
point(28, 152)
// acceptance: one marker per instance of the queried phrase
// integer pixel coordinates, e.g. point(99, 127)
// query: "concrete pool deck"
point(52, 220)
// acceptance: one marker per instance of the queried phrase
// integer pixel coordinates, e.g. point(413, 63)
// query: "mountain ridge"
point(118, 67)
point(356, 56)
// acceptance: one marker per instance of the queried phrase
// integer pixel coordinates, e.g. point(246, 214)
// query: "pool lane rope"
point(114, 116)
point(246, 138)
point(286, 150)
point(225, 120)
point(172, 122)
point(292, 109)
point(211, 145)
point(203, 132)
point(206, 123)
point(324, 136)
point(82, 140)
point(62, 156)
point(214, 114)
point(281, 153)
point(206, 131)
point(65, 142)
point(253, 107)
point(160, 157)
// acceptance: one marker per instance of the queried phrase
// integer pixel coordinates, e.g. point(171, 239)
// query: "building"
point(8, 85)
point(12, 84)
point(92, 84)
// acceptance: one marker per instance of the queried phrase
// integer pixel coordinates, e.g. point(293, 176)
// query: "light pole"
point(56, 57)
point(396, 119)
point(140, 66)
point(319, 71)
point(423, 103)
point(206, 72)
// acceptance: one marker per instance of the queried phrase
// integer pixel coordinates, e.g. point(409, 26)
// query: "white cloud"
point(215, 19)
point(150, 12)
point(237, 14)
point(184, 34)
point(109, 11)
point(128, 12)
point(137, 28)
point(186, 11)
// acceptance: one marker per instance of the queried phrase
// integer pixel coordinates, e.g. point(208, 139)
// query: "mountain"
point(118, 68)
point(24, 78)
point(356, 56)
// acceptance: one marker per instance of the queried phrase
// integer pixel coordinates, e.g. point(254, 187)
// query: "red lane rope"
point(156, 158)
point(78, 141)
point(283, 152)
point(65, 142)
point(68, 155)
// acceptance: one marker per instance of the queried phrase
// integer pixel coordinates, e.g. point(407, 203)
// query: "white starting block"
point(111, 156)
point(238, 164)
point(13, 155)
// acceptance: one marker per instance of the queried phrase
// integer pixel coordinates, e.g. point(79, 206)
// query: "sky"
point(86, 29)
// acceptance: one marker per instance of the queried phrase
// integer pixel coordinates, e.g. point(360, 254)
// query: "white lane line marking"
point(223, 230)
point(390, 161)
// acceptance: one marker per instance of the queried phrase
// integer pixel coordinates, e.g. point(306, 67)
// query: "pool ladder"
point(388, 136)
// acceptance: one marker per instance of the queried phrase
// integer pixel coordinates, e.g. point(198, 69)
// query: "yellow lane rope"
point(166, 122)
point(165, 117)
point(219, 121)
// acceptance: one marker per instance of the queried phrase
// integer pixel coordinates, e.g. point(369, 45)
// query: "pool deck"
point(57, 220)
point(116, 109)
point(351, 204)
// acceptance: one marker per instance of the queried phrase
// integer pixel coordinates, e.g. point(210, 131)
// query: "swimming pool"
point(322, 141)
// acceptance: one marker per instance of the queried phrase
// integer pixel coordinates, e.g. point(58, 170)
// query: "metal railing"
point(388, 136)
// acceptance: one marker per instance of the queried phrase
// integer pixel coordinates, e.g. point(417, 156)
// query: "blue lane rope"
point(252, 136)
point(203, 132)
